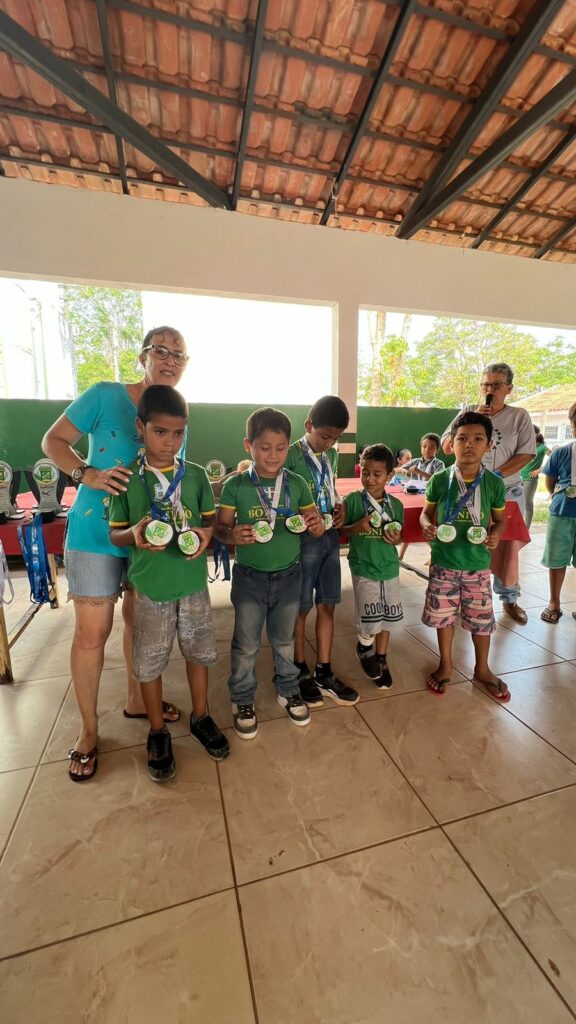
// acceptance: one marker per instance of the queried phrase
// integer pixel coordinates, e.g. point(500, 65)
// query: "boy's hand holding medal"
point(242, 534)
point(338, 515)
point(314, 522)
point(140, 540)
point(205, 535)
point(429, 531)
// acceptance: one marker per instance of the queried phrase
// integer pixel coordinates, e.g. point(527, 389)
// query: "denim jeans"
point(271, 598)
point(510, 595)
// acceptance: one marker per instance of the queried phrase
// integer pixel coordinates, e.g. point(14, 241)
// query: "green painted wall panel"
point(217, 432)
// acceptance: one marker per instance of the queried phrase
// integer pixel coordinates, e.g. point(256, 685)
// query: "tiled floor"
point(409, 860)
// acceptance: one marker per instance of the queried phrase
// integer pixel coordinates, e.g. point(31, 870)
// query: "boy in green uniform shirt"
point(258, 512)
point(170, 589)
point(468, 503)
point(315, 458)
point(373, 521)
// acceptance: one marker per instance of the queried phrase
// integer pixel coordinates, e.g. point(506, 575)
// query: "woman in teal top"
point(530, 475)
point(95, 569)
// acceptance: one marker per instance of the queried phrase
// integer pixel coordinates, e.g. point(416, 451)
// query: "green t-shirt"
point(370, 555)
point(283, 550)
point(296, 461)
point(165, 575)
point(460, 554)
point(541, 451)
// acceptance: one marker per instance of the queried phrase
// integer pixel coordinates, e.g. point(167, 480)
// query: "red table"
point(53, 532)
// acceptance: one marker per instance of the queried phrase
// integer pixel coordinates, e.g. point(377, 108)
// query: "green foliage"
point(105, 329)
point(446, 367)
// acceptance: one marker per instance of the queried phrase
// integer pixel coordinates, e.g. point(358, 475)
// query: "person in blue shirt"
point(95, 568)
point(560, 546)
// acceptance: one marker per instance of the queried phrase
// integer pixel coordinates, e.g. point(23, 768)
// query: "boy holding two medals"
point(315, 458)
point(165, 514)
point(468, 504)
point(263, 512)
point(373, 521)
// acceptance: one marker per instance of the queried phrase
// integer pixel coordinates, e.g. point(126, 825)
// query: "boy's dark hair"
point(267, 419)
point(329, 411)
point(399, 453)
point(161, 400)
point(572, 411)
point(379, 453)
point(431, 437)
point(538, 434)
point(467, 419)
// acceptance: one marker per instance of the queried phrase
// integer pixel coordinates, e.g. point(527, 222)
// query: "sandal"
point(551, 615)
point(83, 759)
point(498, 690)
point(170, 711)
point(437, 686)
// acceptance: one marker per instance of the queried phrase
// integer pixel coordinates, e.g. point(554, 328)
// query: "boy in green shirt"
point(315, 458)
point(373, 521)
point(468, 503)
point(167, 502)
point(263, 512)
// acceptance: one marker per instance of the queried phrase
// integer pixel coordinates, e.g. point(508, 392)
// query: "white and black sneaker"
point(308, 690)
point(296, 709)
point(369, 661)
point(161, 763)
point(385, 681)
point(245, 721)
point(332, 687)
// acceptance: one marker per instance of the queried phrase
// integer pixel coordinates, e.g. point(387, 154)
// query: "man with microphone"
point(513, 446)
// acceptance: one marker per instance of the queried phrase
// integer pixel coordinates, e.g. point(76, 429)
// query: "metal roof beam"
point(31, 51)
point(553, 242)
point(398, 31)
point(543, 12)
point(107, 54)
point(554, 101)
point(257, 39)
point(518, 196)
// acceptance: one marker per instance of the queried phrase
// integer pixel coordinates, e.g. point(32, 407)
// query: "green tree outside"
point(105, 330)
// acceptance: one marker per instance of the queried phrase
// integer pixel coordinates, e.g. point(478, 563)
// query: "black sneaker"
point(385, 681)
point(245, 721)
point(308, 690)
point(161, 763)
point(334, 688)
point(369, 661)
point(296, 708)
point(209, 735)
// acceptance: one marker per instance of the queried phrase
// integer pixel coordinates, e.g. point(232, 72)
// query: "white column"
point(345, 376)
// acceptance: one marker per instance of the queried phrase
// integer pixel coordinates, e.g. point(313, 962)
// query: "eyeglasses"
point(180, 358)
point(495, 385)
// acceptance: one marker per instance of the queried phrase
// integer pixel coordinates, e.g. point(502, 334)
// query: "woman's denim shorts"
point(94, 577)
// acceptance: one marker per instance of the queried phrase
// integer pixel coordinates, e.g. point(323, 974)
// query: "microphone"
point(489, 398)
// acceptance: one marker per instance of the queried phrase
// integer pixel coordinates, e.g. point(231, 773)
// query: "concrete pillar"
point(345, 377)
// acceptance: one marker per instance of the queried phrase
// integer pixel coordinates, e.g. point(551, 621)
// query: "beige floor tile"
point(294, 795)
point(416, 937)
point(27, 714)
point(115, 731)
point(462, 752)
point(540, 586)
point(509, 651)
point(13, 786)
point(180, 966)
point(87, 855)
point(545, 699)
point(33, 657)
point(410, 663)
point(559, 638)
point(525, 856)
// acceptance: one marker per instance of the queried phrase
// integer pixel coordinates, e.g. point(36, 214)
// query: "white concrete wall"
point(60, 234)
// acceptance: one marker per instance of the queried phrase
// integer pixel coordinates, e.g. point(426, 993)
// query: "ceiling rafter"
point(394, 41)
point(551, 244)
point(559, 97)
point(541, 15)
point(31, 51)
point(257, 40)
point(107, 54)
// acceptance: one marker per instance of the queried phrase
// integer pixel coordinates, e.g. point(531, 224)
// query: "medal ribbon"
point(322, 475)
point(5, 580)
point(33, 547)
point(172, 492)
point(271, 509)
point(469, 497)
point(384, 509)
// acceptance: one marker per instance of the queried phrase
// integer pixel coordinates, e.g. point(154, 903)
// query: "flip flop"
point(498, 690)
point(551, 615)
point(167, 709)
point(440, 689)
point(76, 755)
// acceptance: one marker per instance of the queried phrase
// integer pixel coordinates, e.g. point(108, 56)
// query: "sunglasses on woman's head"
point(161, 352)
